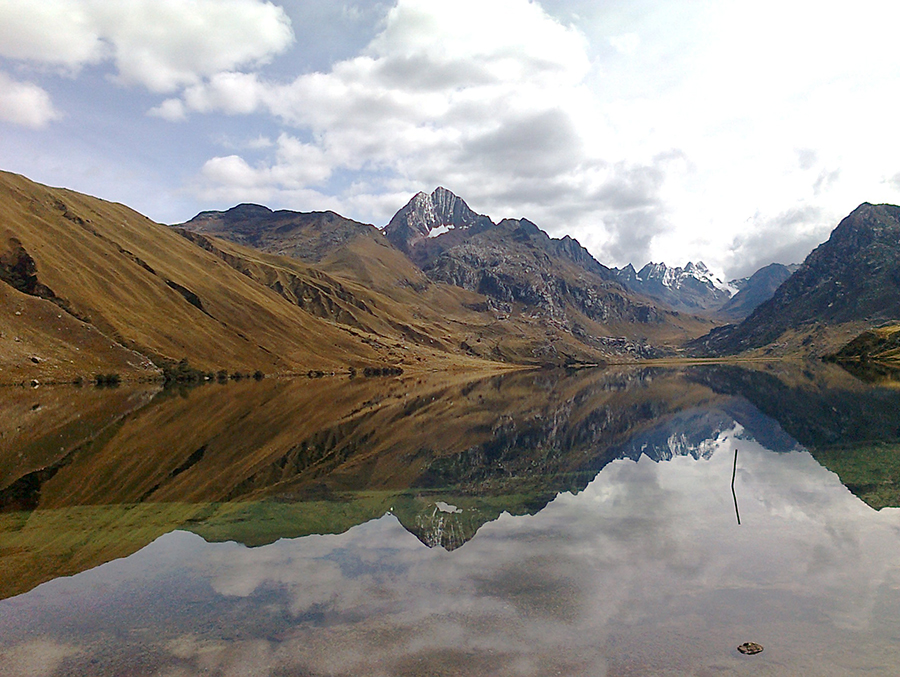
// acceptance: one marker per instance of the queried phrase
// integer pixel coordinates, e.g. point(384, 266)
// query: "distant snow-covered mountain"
point(696, 289)
point(693, 288)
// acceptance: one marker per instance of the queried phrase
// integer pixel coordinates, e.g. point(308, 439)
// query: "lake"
point(619, 521)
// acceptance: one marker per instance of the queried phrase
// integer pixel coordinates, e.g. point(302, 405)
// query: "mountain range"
point(563, 303)
point(695, 289)
point(93, 287)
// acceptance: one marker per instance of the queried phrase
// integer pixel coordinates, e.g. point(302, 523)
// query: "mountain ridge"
point(693, 288)
point(852, 278)
point(521, 273)
point(93, 287)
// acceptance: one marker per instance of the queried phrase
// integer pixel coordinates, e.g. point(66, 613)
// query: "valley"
point(93, 288)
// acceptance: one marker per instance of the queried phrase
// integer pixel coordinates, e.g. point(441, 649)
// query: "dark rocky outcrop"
point(879, 344)
point(515, 262)
point(19, 270)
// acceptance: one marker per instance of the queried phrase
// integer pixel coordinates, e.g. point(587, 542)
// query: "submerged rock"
point(750, 648)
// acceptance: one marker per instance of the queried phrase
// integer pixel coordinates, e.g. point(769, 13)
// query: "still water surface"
point(531, 524)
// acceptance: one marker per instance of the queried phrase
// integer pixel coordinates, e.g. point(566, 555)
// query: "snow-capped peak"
point(676, 277)
point(428, 216)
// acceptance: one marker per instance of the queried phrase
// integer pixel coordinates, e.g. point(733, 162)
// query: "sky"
point(734, 133)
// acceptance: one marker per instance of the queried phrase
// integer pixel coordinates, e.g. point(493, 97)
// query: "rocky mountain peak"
point(693, 288)
point(308, 236)
point(676, 277)
point(696, 269)
point(430, 216)
point(853, 277)
point(247, 209)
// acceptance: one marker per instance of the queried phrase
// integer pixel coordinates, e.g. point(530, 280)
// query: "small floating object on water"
point(750, 648)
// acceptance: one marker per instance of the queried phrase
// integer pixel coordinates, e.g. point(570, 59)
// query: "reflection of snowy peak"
point(699, 432)
point(691, 433)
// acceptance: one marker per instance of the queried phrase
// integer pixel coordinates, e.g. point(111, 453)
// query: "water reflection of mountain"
point(89, 476)
point(694, 432)
point(849, 427)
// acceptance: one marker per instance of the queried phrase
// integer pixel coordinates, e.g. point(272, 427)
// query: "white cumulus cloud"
point(485, 97)
point(162, 45)
point(734, 133)
point(24, 103)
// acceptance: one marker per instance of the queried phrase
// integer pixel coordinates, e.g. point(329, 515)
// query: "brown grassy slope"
point(382, 298)
point(881, 344)
point(38, 340)
point(362, 309)
point(400, 304)
point(148, 289)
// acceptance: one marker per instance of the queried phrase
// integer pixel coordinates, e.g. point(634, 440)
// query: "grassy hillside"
point(90, 287)
point(104, 268)
point(881, 344)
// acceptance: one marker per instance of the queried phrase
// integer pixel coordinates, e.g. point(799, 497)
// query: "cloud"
point(626, 44)
point(36, 658)
point(486, 97)
point(507, 104)
point(807, 158)
point(297, 168)
point(52, 32)
point(162, 45)
point(786, 238)
point(172, 110)
point(25, 104)
point(229, 92)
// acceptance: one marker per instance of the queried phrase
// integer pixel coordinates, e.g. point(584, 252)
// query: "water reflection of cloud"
point(639, 542)
point(647, 553)
point(35, 658)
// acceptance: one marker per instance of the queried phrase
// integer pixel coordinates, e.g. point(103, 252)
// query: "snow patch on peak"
point(440, 230)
